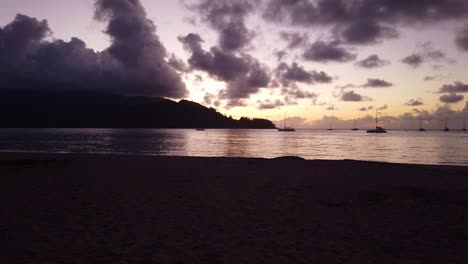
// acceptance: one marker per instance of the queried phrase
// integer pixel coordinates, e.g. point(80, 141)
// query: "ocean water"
point(430, 147)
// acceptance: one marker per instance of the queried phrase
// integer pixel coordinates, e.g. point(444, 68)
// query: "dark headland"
point(85, 208)
point(79, 109)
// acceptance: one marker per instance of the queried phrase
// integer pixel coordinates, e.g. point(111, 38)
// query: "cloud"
point(228, 19)
point(363, 21)
point(177, 64)
point(208, 98)
point(331, 108)
point(432, 78)
point(280, 54)
point(134, 64)
point(456, 87)
point(451, 98)
point(296, 73)
point(296, 93)
point(414, 102)
point(321, 51)
point(373, 61)
point(352, 96)
point(364, 109)
point(383, 107)
point(413, 60)
point(243, 74)
point(267, 104)
point(376, 83)
point(462, 39)
point(426, 53)
point(136, 46)
point(294, 39)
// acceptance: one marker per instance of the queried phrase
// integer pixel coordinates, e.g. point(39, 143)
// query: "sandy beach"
point(86, 208)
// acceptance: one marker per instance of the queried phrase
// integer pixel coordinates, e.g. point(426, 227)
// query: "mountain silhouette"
point(70, 109)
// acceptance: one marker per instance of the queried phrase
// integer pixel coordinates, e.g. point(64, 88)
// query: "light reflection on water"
point(430, 147)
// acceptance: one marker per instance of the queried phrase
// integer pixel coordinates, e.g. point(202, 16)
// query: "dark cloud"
point(198, 78)
point(208, 98)
point(331, 108)
point(456, 87)
point(365, 31)
point(294, 39)
point(243, 74)
point(413, 60)
point(134, 64)
point(346, 86)
point(363, 21)
point(321, 51)
point(451, 98)
point(136, 46)
point(21, 38)
point(224, 66)
point(431, 78)
point(235, 103)
point(426, 53)
point(462, 39)
point(294, 93)
point(352, 96)
point(280, 54)
point(383, 107)
point(414, 102)
point(296, 73)
point(177, 64)
point(373, 61)
point(364, 109)
point(376, 83)
point(228, 19)
point(267, 104)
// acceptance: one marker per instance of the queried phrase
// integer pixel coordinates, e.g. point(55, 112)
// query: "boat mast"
point(375, 118)
point(420, 122)
point(354, 123)
point(446, 125)
point(284, 123)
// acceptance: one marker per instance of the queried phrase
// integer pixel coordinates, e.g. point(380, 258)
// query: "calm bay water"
point(430, 147)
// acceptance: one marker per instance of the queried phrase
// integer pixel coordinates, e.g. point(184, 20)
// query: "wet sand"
point(84, 208)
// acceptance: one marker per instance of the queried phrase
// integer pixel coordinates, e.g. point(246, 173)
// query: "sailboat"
point(420, 125)
point(330, 128)
point(377, 128)
point(355, 128)
point(285, 128)
point(446, 129)
point(464, 124)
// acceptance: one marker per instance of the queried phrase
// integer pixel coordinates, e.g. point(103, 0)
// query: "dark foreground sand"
point(140, 209)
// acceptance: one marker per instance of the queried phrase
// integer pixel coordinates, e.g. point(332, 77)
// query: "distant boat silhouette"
point(330, 127)
point(464, 124)
point(446, 129)
point(200, 129)
point(420, 125)
point(285, 128)
point(377, 128)
point(355, 128)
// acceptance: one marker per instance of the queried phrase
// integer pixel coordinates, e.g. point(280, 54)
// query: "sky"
point(320, 62)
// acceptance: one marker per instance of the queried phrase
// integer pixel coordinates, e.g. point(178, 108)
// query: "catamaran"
point(420, 125)
point(377, 128)
point(446, 129)
point(285, 128)
point(355, 128)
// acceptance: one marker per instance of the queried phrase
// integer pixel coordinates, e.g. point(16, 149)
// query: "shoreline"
point(95, 208)
point(58, 153)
